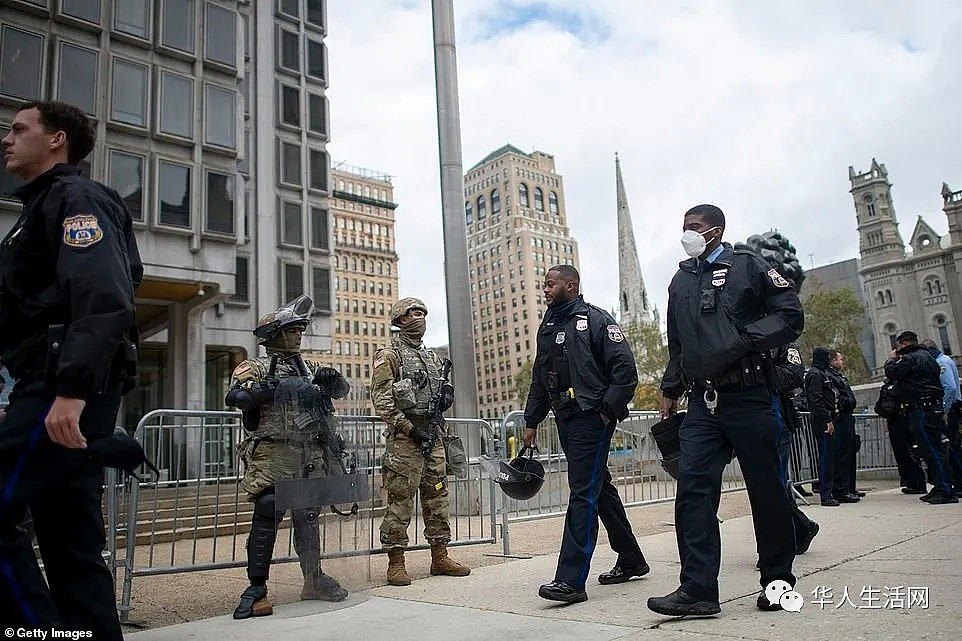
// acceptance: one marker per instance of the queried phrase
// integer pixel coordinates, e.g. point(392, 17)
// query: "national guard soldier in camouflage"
point(405, 377)
point(279, 446)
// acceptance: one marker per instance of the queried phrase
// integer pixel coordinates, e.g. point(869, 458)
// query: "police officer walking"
point(918, 376)
point(406, 375)
point(288, 436)
point(68, 271)
point(726, 309)
point(584, 371)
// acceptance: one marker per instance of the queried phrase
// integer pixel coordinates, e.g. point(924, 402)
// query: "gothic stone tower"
point(633, 297)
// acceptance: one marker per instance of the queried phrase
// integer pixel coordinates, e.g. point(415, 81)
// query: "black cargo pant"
point(900, 437)
point(800, 520)
point(926, 427)
point(585, 441)
point(743, 422)
point(63, 490)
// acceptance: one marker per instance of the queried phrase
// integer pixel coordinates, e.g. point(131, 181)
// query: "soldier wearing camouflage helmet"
point(272, 454)
point(405, 377)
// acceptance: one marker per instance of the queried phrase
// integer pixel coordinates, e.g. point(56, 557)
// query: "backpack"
point(887, 405)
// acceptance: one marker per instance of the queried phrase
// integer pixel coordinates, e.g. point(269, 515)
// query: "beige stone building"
point(366, 276)
point(517, 228)
point(918, 286)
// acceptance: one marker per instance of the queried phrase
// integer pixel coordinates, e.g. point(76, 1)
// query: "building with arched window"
point(918, 285)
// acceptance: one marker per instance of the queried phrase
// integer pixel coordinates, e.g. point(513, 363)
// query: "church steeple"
point(633, 303)
point(878, 227)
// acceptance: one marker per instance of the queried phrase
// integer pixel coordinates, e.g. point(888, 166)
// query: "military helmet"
point(296, 312)
point(523, 476)
point(405, 305)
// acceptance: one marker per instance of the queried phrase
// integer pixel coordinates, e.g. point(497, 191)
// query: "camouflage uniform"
point(276, 449)
point(404, 378)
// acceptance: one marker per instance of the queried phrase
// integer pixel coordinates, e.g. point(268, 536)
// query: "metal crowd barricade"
point(196, 517)
point(875, 453)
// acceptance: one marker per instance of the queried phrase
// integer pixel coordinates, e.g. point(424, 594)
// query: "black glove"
point(331, 383)
point(418, 434)
point(447, 397)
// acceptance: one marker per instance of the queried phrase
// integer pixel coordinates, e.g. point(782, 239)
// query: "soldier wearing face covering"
point(279, 447)
point(406, 375)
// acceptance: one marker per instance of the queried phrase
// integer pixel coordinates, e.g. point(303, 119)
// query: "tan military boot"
point(396, 572)
point(441, 563)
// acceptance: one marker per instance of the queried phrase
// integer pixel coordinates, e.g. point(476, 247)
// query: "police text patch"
point(793, 356)
point(777, 279)
point(82, 230)
point(614, 334)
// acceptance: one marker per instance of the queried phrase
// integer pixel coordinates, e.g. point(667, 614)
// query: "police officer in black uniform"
point(68, 270)
point(918, 376)
point(726, 309)
point(823, 405)
point(585, 372)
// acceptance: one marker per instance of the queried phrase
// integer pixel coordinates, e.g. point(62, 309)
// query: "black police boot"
point(253, 603)
point(681, 604)
point(847, 498)
point(763, 604)
point(561, 591)
point(623, 573)
point(939, 498)
point(830, 502)
point(913, 490)
point(801, 547)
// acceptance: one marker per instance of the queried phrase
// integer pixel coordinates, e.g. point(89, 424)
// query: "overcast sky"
point(756, 106)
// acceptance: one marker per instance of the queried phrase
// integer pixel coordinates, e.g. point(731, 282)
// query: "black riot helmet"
point(523, 476)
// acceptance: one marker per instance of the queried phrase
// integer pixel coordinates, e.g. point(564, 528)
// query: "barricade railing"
point(875, 452)
point(196, 517)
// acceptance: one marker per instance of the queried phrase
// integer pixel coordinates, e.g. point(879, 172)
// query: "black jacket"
point(788, 369)
point(917, 374)
point(70, 259)
point(721, 312)
point(590, 349)
point(819, 389)
point(846, 396)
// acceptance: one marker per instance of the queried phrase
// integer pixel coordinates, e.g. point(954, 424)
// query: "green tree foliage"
point(833, 319)
point(522, 381)
point(651, 356)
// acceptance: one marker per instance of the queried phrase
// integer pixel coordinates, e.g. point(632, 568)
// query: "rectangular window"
point(291, 8)
point(320, 235)
point(220, 42)
point(293, 282)
point(291, 227)
point(318, 168)
point(220, 117)
point(132, 17)
point(289, 46)
point(177, 25)
point(220, 203)
point(77, 76)
point(290, 163)
point(290, 106)
point(322, 289)
point(128, 92)
point(125, 173)
point(317, 113)
point(88, 10)
point(21, 62)
point(173, 192)
point(241, 279)
point(176, 105)
point(315, 59)
point(315, 12)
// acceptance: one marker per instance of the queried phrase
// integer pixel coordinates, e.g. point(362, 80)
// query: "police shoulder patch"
point(82, 230)
point(615, 334)
point(777, 279)
point(793, 356)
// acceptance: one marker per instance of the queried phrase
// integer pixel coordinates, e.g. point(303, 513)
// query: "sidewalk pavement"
point(890, 552)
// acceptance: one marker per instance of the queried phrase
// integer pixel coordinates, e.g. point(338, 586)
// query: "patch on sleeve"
point(777, 279)
point(243, 371)
point(82, 230)
point(793, 356)
point(614, 334)
point(378, 362)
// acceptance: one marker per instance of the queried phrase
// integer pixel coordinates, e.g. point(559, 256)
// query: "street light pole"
point(456, 283)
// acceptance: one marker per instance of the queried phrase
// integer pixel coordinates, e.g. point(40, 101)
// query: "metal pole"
point(456, 283)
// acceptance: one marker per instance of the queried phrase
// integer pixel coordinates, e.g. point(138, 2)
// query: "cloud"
point(759, 107)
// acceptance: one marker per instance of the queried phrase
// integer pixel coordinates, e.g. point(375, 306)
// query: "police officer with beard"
point(279, 447)
point(918, 376)
point(585, 372)
point(726, 309)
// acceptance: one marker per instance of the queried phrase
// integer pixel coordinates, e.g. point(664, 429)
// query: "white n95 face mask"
point(695, 243)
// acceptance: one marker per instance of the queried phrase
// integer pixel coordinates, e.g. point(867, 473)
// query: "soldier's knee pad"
point(264, 506)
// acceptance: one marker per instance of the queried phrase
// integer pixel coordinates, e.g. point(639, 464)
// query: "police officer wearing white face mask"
point(726, 310)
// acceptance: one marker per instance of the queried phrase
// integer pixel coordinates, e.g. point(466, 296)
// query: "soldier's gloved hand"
point(418, 434)
point(331, 382)
point(447, 397)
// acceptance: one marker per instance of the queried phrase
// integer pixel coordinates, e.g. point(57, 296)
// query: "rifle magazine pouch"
point(455, 457)
point(404, 396)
